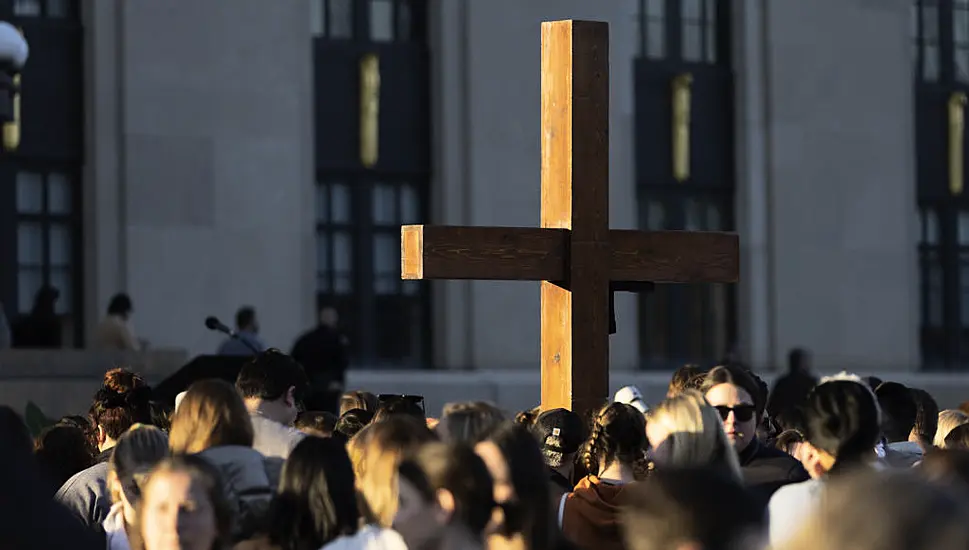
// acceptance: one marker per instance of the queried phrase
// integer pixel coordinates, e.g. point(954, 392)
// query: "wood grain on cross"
point(574, 254)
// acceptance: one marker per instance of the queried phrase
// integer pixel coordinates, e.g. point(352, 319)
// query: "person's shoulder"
point(85, 479)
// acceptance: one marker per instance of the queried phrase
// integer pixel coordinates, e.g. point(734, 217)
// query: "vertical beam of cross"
point(575, 196)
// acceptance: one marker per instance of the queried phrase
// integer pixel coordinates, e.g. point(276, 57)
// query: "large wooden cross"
point(574, 254)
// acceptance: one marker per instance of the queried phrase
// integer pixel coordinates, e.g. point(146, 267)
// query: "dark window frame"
point(408, 17)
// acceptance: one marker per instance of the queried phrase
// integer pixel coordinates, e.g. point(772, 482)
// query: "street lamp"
point(13, 55)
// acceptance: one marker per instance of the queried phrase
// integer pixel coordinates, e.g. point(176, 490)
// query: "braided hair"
point(842, 418)
point(618, 433)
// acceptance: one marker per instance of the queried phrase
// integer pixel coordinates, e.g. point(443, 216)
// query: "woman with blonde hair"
point(685, 432)
point(138, 450)
point(948, 420)
point(213, 422)
point(376, 452)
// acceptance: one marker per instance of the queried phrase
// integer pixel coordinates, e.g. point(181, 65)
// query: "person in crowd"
point(842, 427)
point(212, 421)
point(446, 498)
point(29, 518)
point(948, 420)
point(528, 417)
point(122, 401)
point(958, 438)
point(790, 441)
point(272, 385)
point(589, 515)
point(323, 352)
point(687, 508)
point(183, 505)
point(352, 422)
point(316, 423)
point(6, 337)
point(792, 388)
point(560, 434)
point(359, 400)
point(865, 512)
point(631, 395)
point(947, 467)
point(138, 451)
point(41, 328)
point(396, 405)
point(522, 519)
point(739, 400)
point(685, 432)
point(316, 505)
point(899, 412)
point(115, 331)
point(62, 450)
point(376, 451)
point(687, 377)
point(468, 421)
point(926, 419)
point(247, 340)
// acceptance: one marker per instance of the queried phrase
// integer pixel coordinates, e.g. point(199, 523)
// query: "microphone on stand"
point(213, 323)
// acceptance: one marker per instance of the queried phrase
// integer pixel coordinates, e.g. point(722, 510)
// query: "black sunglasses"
point(742, 413)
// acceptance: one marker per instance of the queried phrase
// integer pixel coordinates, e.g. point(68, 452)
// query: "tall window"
point(362, 200)
point(940, 37)
point(685, 41)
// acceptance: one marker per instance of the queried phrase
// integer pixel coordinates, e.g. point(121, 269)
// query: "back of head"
point(926, 415)
point(692, 508)
point(138, 450)
point(400, 405)
point(245, 318)
point(316, 501)
point(454, 468)
point(950, 468)
point(799, 360)
point(928, 517)
point(352, 421)
point(123, 400)
point(842, 418)
point(358, 400)
point(319, 423)
point(269, 375)
point(740, 377)
point(899, 410)
point(527, 418)
point(62, 451)
point(687, 377)
point(695, 435)
point(958, 438)
point(210, 415)
point(468, 421)
point(948, 420)
point(787, 441)
point(618, 434)
point(120, 304)
point(560, 433)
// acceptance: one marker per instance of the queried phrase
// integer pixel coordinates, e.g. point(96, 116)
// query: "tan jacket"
point(114, 334)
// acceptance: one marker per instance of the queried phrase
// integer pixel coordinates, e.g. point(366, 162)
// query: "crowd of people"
point(721, 463)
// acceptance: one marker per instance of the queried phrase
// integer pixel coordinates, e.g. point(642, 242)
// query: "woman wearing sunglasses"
point(740, 403)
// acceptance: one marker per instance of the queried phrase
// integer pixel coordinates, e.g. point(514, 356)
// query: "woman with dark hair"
point(589, 515)
point(316, 504)
point(468, 422)
point(523, 519)
point(62, 450)
point(842, 423)
point(560, 433)
point(123, 401)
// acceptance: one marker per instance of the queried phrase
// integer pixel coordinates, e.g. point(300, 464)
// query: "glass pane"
point(690, 10)
point(655, 39)
point(58, 8)
point(714, 219)
point(404, 21)
point(26, 8)
point(656, 8)
point(960, 26)
point(317, 17)
point(962, 64)
point(30, 193)
point(30, 244)
point(385, 285)
point(655, 216)
point(930, 227)
point(411, 288)
point(930, 62)
point(29, 281)
point(381, 21)
point(340, 18)
point(384, 204)
point(930, 23)
point(933, 283)
point(322, 253)
point(342, 284)
point(692, 220)
point(323, 283)
point(409, 205)
point(711, 36)
point(322, 204)
point(61, 280)
point(342, 253)
point(58, 194)
point(60, 245)
point(339, 203)
point(692, 42)
point(386, 254)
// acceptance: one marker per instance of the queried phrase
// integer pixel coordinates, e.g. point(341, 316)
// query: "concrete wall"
point(200, 171)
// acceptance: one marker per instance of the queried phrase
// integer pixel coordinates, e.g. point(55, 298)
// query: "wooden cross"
point(574, 254)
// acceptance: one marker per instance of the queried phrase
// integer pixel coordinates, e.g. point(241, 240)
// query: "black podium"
point(202, 367)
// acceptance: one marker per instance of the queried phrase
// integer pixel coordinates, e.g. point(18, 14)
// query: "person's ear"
point(102, 435)
point(446, 505)
point(812, 460)
point(291, 396)
point(114, 486)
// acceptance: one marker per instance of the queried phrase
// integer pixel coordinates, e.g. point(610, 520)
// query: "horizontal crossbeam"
point(538, 254)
